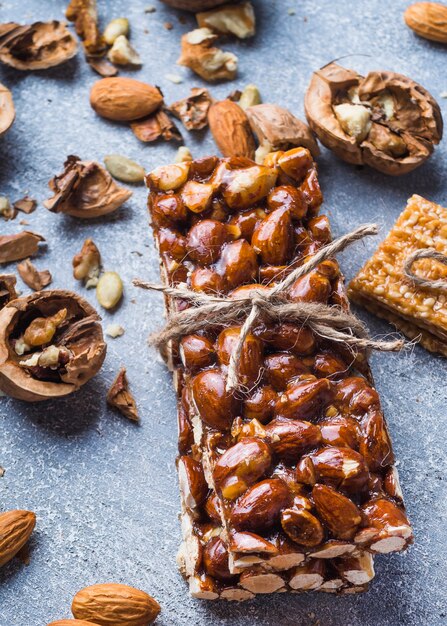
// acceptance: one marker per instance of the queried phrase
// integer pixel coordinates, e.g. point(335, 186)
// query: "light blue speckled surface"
point(105, 490)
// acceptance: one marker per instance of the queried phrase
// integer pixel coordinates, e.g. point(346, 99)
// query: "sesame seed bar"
point(382, 288)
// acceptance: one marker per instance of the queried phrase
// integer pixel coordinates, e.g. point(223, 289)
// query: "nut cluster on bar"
point(290, 483)
point(382, 287)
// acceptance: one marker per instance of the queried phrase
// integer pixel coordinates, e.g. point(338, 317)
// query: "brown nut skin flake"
point(36, 46)
point(193, 110)
point(120, 397)
point(19, 246)
point(158, 125)
point(32, 277)
point(7, 110)
point(78, 337)
point(345, 110)
point(85, 189)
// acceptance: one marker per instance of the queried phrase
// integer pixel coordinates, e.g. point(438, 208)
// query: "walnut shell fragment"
point(36, 46)
point(120, 397)
point(156, 126)
point(7, 289)
point(19, 246)
point(85, 189)
point(193, 110)
point(32, 277)
point(209, 62)
point(277, 128)
point(26, 205)
point(7, 110)
point(51, 343)
point(384, 120)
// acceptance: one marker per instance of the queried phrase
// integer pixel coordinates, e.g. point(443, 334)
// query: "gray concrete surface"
point(105, 490)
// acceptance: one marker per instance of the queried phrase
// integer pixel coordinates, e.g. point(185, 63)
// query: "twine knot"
point(269, 304)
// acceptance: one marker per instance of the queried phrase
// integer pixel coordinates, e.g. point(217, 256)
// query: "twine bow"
point(427, 283)
point(328, 322)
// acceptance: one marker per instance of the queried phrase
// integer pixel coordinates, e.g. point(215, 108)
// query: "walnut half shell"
point(85, 189)
point(51, 343)
point(7, 110)
point(385, 120)
point(36, 46)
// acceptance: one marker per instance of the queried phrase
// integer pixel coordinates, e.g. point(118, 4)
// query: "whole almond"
point(231, 129)
point(113, 604)
point(428, 20)
point(124, 99)
point(15, 530)
point(72, 622)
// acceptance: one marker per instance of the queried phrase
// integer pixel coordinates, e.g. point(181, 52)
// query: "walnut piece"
point(84, 14)
point(87, 264)
point(36, 46)
point(85, 189)
point(193, 110)
point(32, 277)
point(385, 120)
point(51, 343)
point(120, 397)
point(7, 110)
point(209, 62)
point(277, 129)
point(237, 19)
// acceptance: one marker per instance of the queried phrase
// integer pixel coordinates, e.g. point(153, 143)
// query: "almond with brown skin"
point(290, 438)
point(259, 508)
point(338, 512)
point(124, 99)
point(213, 403)
point(231, 129)
point(273, 237)
point(72, 622)
point(428, 20)
point(192, 482)
point(115, 604)
point(15, 530)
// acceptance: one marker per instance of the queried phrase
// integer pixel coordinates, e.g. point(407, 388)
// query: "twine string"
point(268, 304)
point(426, 283)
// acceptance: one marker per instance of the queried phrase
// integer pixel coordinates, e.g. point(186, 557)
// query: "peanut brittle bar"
point(382, 287)
point(295, 472)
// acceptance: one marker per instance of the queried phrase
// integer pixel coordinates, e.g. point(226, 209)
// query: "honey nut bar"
point(295, 474)
point(382, 287)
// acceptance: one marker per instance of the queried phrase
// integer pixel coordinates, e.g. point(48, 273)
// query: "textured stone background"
point(105, 490)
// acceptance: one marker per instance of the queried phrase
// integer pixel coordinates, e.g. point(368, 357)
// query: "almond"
point(124, 99)
point(72, 622)
point(15, 530)
point(338, 512)
point(231, 129)
point(114, 604)
point(428, 20)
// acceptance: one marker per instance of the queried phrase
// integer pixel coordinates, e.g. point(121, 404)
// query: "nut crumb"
point(174, 78)
point(150, 9)
point(168, 25)
point(114, 330)
point(443, 94)
point(291, 11)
